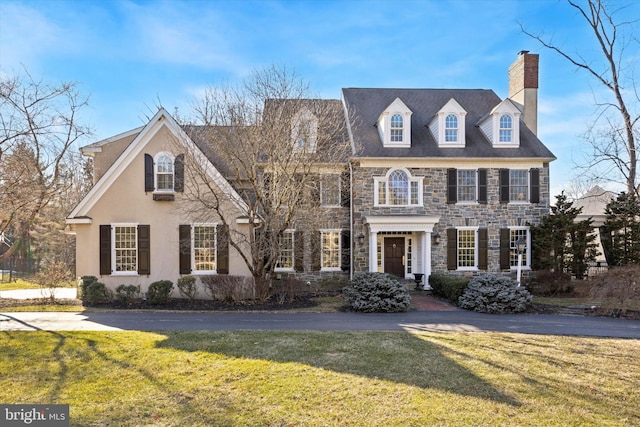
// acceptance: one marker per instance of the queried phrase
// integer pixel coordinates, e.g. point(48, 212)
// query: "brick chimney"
point(523, 87)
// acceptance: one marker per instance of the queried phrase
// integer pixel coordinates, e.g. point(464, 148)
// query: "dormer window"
point(506, 128)
point(502, 125)
point(451, 128)
point(164, 172)
point(394, 125)
point(304, 132)
point(447, 127)
point(396, 128)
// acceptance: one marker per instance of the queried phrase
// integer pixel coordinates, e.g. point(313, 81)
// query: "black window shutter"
point(105, 250)
point(222, 257)
point(505, 249)
point(315, 190)
point(144, 249)
point(482, 186)
point(345, 262)
point(452, 249)
point(452, 185)
point(148, 173)
point(178, 171)
point(483, 249)
point(266, 182)
point(316, 250)
point(345, 190)
point(534, 184)
point(504, 185)
point(184, 237)
point(298, 250)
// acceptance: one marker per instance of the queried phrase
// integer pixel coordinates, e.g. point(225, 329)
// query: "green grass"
point(324, 378)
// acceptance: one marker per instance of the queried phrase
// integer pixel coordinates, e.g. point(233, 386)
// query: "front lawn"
point(324, 378)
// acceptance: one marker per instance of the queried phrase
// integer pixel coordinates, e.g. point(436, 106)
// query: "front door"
point(394, 256)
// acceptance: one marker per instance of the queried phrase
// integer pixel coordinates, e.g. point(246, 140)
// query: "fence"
point(13, 268)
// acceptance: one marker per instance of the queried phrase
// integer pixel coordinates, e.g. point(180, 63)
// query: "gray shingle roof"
point(366, 105)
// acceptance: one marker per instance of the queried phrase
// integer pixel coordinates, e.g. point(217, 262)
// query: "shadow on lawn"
point(396, 357)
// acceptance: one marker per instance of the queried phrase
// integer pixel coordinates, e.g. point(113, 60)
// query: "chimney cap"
point(523, 52)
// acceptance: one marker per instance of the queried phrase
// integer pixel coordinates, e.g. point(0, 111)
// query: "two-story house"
point(437, 180)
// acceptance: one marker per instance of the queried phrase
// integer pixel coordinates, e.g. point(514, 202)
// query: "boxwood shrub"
point(159, 292)
point(492, 293)
point(447, 286)
point(97, 293)
point(128, 294)
point(376, 292)
point(86, 281)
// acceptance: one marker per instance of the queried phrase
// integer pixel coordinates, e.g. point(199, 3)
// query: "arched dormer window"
point(394, 125)
point(506, 128)
point(398, 188)
point(164, 172)
point(397, 125)
point(304, 132)
point(451, 128)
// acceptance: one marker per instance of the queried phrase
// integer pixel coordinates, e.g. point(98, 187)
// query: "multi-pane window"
point(330, 249)
point(467, 248)
point(506, 128)
point(285, 254)
point(409, 256)
point(451, 128)
point(125, 248)
point(397, 126)
point(467, 186)
point(516, 234)
point(518, 185)
point(330, 190)
point(204, 248)
point(164, 173)
point(399, 189)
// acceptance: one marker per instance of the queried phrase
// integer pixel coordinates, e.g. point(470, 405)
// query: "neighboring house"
point(593, 204)
point(439, 180)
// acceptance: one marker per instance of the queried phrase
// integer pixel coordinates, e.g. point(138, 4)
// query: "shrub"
point(448, 287)
point(52, 275)
point(159, 292)
point(224, 287)
point(127, 294)
point(376, 292)
point(97, 293)
point(86, 281)
point(187, 287)
point(287, 290)
point(550, 283)
point(617, 290)
point(494, 294)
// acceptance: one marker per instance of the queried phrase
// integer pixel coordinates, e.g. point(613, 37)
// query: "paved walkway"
point(60, 293)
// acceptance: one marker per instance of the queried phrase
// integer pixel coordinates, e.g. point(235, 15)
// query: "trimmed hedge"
point(97, 293)
point(376, 292)
point(128, 294)
point(448, 287)
point(492, 293)
point(159, 292)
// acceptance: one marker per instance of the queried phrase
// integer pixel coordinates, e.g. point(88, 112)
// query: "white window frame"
point(474, 199)
point(156, 173)
point(381, 185)
point(454, 131)
point(504, 129)
point(475, 249)
point(513, 251)
point(526, 195)
point(397, 107)
point(292, 251)
point(305, 125)
point(338, 189)
point(438, 125)
point(114, 249)
point(337, 250)
point(194, 269)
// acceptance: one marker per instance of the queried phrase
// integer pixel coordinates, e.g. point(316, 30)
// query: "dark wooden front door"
point(394, 256)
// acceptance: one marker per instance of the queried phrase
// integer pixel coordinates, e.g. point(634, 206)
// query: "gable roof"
point(161, 119)
point(365, 105)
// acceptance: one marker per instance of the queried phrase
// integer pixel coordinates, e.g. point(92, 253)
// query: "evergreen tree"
point(621, 230)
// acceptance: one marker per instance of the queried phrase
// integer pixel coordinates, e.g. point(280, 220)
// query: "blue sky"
point(130, 55)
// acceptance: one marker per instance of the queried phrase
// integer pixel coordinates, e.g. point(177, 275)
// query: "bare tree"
point(613, 135)
point(38, 127)
point(271, 142)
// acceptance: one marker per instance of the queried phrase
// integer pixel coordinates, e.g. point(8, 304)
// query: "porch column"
point(426, 258)
point(373, 251)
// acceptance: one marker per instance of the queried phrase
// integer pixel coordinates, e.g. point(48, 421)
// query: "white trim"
point(331, 230)
point(114, 271)
point(83, 220)
point(159, 120)
point(527, 254)
point(155, 172)
point(378, 179)
point(450, 162)
point(339, 189)
point(401, 223)
point(215, 248)
point(293, 253)
point(384, 124)
point(96, 147)
point(476, 248)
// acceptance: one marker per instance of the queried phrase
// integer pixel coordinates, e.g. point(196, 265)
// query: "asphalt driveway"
point(440, 321)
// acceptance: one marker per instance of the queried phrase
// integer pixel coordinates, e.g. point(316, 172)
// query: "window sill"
point(330, 269)
point(124, 273)
point(203, 272)
point(283, 270)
